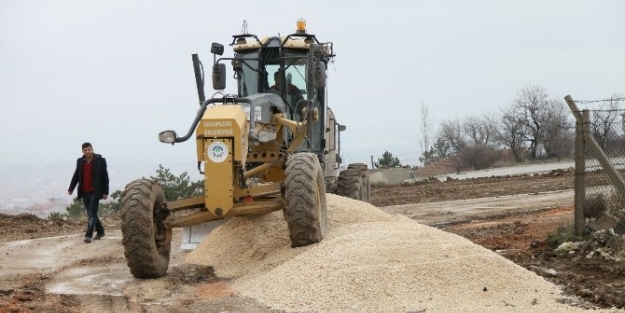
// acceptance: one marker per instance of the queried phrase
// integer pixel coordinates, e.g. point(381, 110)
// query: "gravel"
point(371, 261)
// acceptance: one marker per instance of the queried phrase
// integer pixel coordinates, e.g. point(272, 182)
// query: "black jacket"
point(99, 174)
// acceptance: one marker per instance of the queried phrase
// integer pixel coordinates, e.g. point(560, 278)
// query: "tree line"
point(533, 126)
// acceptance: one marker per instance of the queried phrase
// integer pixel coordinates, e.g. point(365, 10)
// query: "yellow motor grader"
point(275, 145)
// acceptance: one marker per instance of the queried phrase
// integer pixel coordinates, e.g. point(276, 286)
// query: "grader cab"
point(274, 145)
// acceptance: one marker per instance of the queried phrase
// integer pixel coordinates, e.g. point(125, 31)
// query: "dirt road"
point(449, 212)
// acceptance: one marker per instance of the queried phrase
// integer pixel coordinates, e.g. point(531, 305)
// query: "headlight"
point(168, 136)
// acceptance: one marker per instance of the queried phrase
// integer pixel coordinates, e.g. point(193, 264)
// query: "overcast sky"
point(116, 73)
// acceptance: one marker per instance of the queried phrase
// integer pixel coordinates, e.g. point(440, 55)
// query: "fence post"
point(581, 127)
point(580, 167)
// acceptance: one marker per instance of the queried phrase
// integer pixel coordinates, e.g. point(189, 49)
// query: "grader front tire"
point(306, 212)
point(147, 243)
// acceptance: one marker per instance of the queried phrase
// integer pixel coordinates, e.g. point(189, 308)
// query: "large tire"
point(146, 240)
point(306, 212)
point(350, 184)
point(364, 173)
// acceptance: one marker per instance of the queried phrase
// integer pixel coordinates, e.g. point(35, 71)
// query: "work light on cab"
point(168, 136)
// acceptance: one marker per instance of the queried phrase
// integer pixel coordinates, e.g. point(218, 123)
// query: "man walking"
point(93, 184)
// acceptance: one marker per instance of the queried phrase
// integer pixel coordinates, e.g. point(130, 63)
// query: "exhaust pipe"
point(199, 77)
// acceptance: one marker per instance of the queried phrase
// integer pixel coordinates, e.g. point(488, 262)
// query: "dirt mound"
point(28, 226)
point(25, 217)
point(370, 261)
point(253, 241)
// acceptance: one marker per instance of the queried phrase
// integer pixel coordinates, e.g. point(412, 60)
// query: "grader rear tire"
point(306, 212)
point(147, 243)
point(350, 184)
point(364, 173)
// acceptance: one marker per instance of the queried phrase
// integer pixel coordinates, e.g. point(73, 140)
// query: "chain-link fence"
point(599, 170)
point(603, 203)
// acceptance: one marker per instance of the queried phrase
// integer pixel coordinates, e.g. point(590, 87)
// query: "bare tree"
point(451, 133)
point(427, 128)
point(510, 132)
point(558, 136)
point(481, 131)
point(530, 104)
point(605, 122)
point(472, 141)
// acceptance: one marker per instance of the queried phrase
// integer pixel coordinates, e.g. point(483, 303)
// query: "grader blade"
point(192, 236)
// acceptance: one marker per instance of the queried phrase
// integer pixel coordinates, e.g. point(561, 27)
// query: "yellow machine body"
point(223, 150)
point(218, 150)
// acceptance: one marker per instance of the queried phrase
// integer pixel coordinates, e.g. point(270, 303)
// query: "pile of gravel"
point(370, 261)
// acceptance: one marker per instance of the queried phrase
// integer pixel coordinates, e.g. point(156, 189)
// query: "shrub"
point(57, 216)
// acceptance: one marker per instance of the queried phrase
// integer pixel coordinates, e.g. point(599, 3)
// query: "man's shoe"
point(87, 240)
point(98, 236)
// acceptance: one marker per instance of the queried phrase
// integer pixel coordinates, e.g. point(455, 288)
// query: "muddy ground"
point(500, 217)
point(433, 190)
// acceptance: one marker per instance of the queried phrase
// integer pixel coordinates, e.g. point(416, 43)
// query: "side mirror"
point(342, 128)
point(217, 49)
point(219, 76)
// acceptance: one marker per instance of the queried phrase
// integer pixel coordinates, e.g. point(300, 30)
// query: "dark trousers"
point(92, 202)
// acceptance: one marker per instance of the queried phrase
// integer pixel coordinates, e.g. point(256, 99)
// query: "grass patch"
point(562, 235)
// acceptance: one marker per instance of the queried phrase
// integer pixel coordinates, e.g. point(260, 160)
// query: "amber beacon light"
point(301, 26)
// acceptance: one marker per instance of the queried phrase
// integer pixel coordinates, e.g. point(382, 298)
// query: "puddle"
point(91, 280)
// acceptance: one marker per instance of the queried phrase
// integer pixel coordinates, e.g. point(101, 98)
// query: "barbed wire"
point(597, 101)
point(603, 110)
